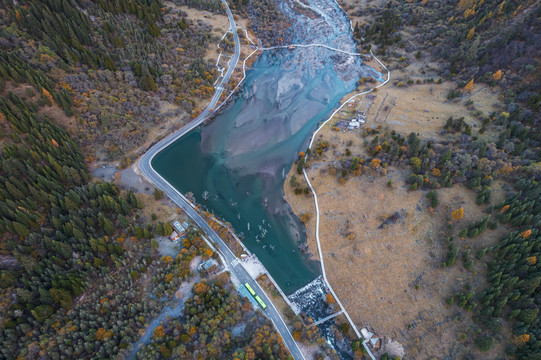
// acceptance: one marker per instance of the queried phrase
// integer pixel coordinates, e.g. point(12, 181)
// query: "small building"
point(351, 103)
point(291, 47)
point(354, 124)
point(180, 228)
point(210, 266)
point(174, 236)
point(372, 339)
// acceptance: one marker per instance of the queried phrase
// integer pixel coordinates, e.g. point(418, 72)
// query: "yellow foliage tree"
point(469, 12)
point(505, 208)
point(436, 172)
point(465, 4)
point(497, 75)
point(471, 33)
point(532, 260)
point(458, 214)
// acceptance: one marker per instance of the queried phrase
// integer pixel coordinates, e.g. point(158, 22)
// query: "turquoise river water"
point(236, 165)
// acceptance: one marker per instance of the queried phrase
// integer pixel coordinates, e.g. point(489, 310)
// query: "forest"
point(81, 276)
point(111, 62)
point(490, 41)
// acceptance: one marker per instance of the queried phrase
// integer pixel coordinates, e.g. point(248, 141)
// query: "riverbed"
point(236, 165)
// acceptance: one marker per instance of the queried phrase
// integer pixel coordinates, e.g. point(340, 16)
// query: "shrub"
point(484, 342)
point(433, 197)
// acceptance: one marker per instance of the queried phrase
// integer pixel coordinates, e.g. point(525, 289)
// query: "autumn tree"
point(458, 214)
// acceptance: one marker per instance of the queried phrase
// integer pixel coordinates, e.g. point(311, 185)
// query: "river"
point(235, 166)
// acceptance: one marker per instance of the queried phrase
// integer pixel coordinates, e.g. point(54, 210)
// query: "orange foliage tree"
point(159, 332)
point(521, 339)
point(375, 163)
point(200, 288)
point(329, 298)
point(47, 95)
point(103, 334)
point(167, 259)
point(305, 217)
point(469, 86)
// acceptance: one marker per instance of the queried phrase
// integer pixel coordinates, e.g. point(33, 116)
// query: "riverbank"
point(307, 336)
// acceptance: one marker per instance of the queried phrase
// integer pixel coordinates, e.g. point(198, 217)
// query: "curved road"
point(310, 45)
point(145, 165)
point(343, 309)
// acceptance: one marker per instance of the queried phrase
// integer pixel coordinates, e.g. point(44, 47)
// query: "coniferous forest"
point(80, 272)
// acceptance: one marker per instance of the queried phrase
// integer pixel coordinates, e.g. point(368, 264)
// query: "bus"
point(250, 289)
point(261, 303)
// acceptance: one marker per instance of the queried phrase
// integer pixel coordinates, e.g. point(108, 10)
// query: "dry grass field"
point(389, 276)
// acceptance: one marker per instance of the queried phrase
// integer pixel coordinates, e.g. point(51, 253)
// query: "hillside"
point(414, 204)
point(86, 266)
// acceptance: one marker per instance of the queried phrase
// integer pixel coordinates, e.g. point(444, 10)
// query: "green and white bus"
point(250, 289)
point(261, 303)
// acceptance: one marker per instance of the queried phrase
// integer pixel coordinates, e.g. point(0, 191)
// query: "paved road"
point(145, 165)
point(317, 206)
